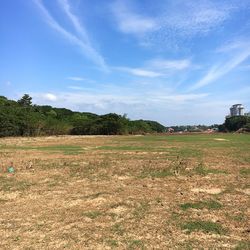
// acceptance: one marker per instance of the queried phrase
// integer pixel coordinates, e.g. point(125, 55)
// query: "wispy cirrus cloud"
point(76, 78)
point(66, 7)
point(83, 42)
point(241, 51)
point(139, 72)
point(157, 67)
point(174, 65)
point(174, 20)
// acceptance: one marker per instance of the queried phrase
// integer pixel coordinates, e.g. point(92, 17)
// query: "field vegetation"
point(125, 192)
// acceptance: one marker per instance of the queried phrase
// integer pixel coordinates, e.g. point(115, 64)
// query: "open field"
point(125, 192)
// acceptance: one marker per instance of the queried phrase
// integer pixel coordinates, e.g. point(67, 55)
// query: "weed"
point(205, 226)
point(178, 166)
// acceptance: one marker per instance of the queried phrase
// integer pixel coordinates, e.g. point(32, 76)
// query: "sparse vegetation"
point(245, 171)
point(204, 226)
point(92, 214)
point(121, 192)
point(202, 170)
point(210, 204)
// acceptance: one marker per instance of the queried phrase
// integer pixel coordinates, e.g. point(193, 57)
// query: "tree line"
point(236, 123)
point(22, 118)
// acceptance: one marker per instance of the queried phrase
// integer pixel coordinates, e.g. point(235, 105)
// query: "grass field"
point(125, 192)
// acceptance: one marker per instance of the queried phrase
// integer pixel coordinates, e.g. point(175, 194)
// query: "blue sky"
point(174, 61)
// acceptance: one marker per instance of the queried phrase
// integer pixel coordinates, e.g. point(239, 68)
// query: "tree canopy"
point(22, 118)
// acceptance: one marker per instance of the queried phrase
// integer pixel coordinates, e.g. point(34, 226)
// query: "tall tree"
point(25, 101)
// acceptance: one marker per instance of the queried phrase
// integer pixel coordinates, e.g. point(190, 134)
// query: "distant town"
point(236, 110)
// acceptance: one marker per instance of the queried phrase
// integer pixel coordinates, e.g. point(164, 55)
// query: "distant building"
point(170, 130)
point(236, 110)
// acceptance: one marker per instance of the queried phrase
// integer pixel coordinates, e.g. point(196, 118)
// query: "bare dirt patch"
point(207, 190)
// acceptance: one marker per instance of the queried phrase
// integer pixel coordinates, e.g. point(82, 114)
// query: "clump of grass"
point(245, 171)
point(211, 204)
point(238, 217)
point(243, 245)
point(141, 210)
point(135, 244)
point(204, 226)
point(201, 169)
point(118, 229)
point(112, 243)
point(92, 214)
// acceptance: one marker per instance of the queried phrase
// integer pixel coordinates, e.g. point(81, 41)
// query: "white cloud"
point(140, 72)
point(157, 68)
point(64, 4)
point(75, 87)
point(76, 78)
point(224, 68)
point(83, 43)
point(181, 98)
point(163, 64)
point(130, 22)
point(49, 97)
point(127, 98)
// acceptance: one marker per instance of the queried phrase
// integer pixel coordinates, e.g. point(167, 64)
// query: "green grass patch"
point(245, 171)
point(92, 214)
point(66, 149)
point(126, 148)
point(204, 226)
point(211, 205)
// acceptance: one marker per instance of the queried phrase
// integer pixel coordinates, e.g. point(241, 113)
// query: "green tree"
point(25, 101)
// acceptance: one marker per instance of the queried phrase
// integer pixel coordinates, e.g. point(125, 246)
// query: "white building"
point(236, 110)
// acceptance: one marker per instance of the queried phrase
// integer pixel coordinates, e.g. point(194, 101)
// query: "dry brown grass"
point(124, 192)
